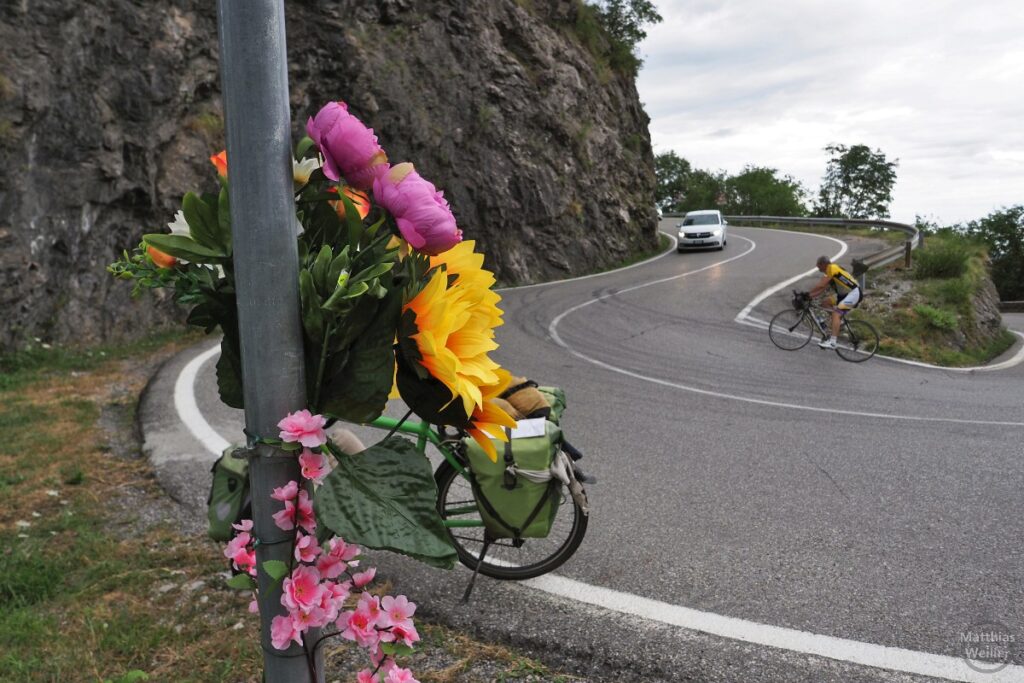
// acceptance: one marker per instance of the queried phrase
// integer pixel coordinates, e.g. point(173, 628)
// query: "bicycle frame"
point(425, 434)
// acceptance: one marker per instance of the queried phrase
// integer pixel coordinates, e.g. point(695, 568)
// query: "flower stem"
point(328, 331)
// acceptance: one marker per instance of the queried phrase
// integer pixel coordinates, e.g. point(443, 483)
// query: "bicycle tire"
point(858, 341)
point(790, 330)
point(535, 556)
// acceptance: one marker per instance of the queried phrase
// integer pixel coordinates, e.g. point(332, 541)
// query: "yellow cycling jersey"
point(841, 280)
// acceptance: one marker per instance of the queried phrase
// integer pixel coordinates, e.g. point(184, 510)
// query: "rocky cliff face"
point(109, 111)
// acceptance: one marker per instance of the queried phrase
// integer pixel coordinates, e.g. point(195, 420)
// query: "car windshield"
point(708, 219)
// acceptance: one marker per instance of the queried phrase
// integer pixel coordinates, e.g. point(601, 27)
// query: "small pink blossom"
point(315, 617)
point(349, 148)
point(306, 549)
point(404, 632)
point(367, 676)
point(359, 625)
point(244, 525)
point(283, 630)
point(371, 603)
point(286, 492)
point(382, 661)
point(302, 590)
point(304, 427)
point(399, 675)
point(363, 578)
point(421, 212)
point(254, 606)
point(314, 465)
point(334, 599)
point(285, 519)
point(305, 519)
point(397, 609)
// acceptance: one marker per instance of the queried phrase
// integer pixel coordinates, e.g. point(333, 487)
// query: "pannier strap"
point(519, 387)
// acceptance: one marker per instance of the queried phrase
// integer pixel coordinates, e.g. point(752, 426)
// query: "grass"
point(933, 318)
point(92, 588)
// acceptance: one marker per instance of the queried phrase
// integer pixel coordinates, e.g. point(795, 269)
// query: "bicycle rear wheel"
point(858, 341)
point(504, 559)
point(790, 330)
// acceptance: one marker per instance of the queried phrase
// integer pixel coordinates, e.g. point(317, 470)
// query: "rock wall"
point(109, 111)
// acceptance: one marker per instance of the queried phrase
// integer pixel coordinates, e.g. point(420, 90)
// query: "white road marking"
point(188, 409)
point(856, 652)
point(744, 318)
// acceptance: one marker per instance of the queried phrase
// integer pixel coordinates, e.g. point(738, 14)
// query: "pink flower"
point(397, 609)
point(315, 617)
point(379, 659)
point(334, 599)
point(244, 525)
point(335, 561)
point(286, 492)
point(305, 513)
point(371, 603)
point(302, 590)
point(363, 578)
point(403, 632)
point(304, 427)
point(349, 148)
point(306, 549)
point(367, 676)
point(359, 625)
point(254, 607)
point(421, 212)
point(283, 630)
point(314, 465)
point(399, 675)
point(285, 519)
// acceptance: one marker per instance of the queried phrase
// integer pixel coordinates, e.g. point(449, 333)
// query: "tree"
point(1003, 231)
point(624, 21)
point(673, 174)
point(857, 183)
point(757, 191)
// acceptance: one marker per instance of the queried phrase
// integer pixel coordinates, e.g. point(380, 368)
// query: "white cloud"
point(938, 85)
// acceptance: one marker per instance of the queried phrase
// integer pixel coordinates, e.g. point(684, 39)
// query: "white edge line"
point(744, 317)
point(830, 647)
point(188, 409)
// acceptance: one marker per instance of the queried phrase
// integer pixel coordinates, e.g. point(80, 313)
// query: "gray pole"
point(254, 78)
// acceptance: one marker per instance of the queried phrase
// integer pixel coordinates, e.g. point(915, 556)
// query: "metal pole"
point(907, 246)
point(254, 78)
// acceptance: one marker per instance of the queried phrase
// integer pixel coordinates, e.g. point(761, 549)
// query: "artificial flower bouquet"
point(391, 297)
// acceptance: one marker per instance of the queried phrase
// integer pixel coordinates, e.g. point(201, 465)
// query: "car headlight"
point(716, 232)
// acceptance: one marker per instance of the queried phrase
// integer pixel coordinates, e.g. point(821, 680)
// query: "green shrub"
point(946, 259)
point(937, 318)
point(955, 291)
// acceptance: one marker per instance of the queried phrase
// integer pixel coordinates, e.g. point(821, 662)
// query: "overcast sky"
point(938, 85)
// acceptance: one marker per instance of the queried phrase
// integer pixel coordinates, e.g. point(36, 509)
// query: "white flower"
point(301, 170)
point(180, 225)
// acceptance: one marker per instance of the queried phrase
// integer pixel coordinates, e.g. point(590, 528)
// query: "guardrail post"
point(907, 246)
point(254, 81)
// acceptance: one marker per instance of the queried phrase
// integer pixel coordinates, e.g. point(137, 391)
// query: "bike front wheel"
point(858, 341)
point(790, 330)
point(505, 559)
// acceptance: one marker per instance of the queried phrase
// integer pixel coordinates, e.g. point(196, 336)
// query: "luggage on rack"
point(518, 496)
point(229, 495)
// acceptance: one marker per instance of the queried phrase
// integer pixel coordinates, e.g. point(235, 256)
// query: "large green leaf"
point(224, 220)
point(202, 221)
point(385, 498)
point(358, 390)
point(312, 316)
point(187, 248)
point(229, 374)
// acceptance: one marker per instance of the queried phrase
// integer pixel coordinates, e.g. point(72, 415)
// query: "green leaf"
point(320, 270)
point(303, 147)
point(187, 248)
point(358, 390)
point(385, 498)
point(275, 569)
point(229, 373)
point(358, 289)
point(354, 221)
point(241, 582)
point(376, 270)
point(224, 220)
point(340, 263)
point(312, 316)
point(202, 221)
point(396, 649)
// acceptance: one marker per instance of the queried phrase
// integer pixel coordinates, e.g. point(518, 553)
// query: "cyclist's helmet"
point(823, 261)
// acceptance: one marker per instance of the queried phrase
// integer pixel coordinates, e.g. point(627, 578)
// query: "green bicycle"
point(505, 558)
point(793, 328)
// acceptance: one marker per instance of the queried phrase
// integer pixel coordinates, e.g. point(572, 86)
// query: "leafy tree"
point(1003, 231)
point(673, 174)
point(757, 191)
point(857, 183)
point(705, 190)
point(622, 22)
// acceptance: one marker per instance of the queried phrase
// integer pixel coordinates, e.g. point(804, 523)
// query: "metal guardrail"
point(913, 241)
point(1011, 306)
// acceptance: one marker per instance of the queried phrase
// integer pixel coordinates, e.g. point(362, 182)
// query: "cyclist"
point(847, 293)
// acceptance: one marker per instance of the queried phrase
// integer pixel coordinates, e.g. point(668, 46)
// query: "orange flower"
point(161, 259)
point(220, 160)
point(358, 197)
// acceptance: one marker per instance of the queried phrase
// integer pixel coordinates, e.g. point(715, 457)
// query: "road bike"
point(504, 558)
point(792, 328)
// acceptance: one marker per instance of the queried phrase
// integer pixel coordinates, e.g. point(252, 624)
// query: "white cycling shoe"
point(828, 343)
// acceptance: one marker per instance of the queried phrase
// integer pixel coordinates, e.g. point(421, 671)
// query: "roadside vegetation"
point(98, 580)
point(944, 310)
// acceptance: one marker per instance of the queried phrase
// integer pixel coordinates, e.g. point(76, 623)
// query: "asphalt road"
point(874, 502)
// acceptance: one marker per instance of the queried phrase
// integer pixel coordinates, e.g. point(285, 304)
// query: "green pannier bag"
point(556, 399)
point(229, 495)
point(511, 505)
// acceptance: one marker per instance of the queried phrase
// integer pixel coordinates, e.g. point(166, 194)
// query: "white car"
point(703, 230)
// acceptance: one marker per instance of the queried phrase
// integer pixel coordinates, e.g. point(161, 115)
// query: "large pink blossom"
point(421, 212)
point(299, 511)
point(396, 610)
point(304, 427)
point(400, 675)
point(302, 590)
point(360, 625)
point(307, 549)
point(283, 630)
point(314, 465)
point(349, 148)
